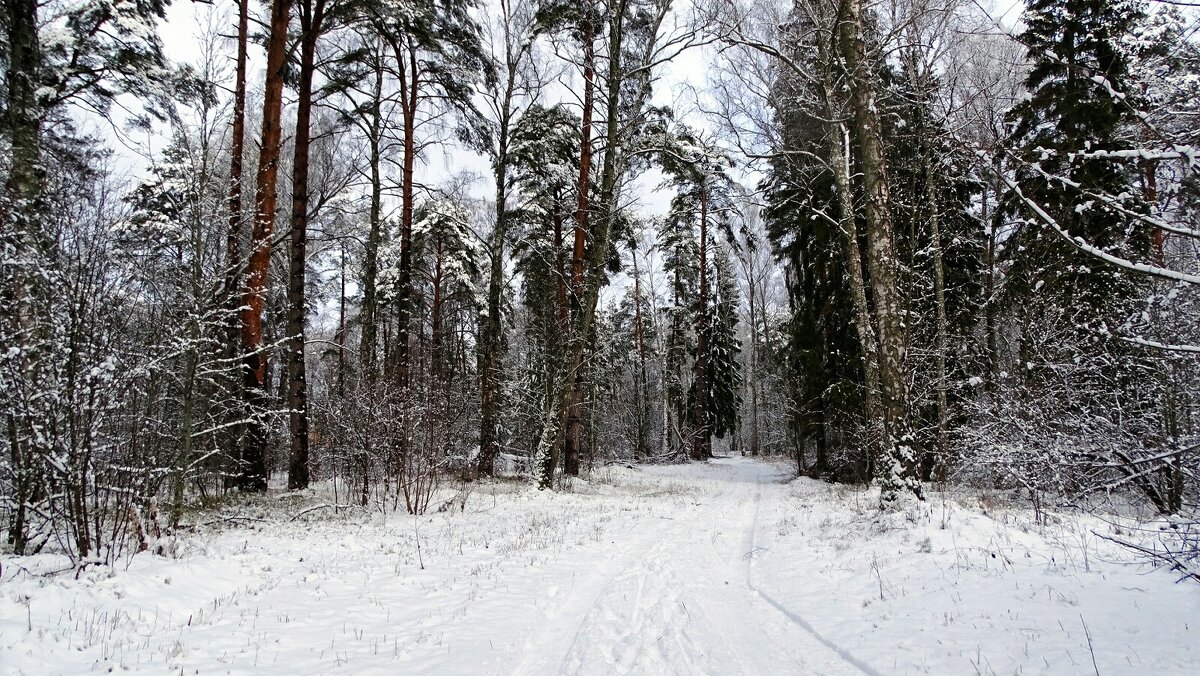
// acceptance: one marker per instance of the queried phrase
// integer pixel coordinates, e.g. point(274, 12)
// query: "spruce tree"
point(724, 362)
point(1079, 103)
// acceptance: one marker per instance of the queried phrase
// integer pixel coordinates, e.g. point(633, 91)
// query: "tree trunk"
point(311, 19)
point(560, 268)
point(370, 310)
point(20, 231)
point(490, 335)
point(574, 432)
point(838, 139)
point(897, 471)
point(411, 89)
point(641, 403)
point(702, 437)
point(233, 237)
point(253, 476)
point(601, 241)
point(341, 333)
point(863, 324)
point(435, 311)
point(755, 447)
point(989, 306)
point(942, 457)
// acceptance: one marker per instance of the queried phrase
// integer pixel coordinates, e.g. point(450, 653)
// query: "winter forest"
point(493, 336)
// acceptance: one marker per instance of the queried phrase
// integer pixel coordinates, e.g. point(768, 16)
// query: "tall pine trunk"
point(253, 476)
point(311, 18)
point(574, 436)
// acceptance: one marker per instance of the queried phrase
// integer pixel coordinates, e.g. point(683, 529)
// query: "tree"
point(627, 89)
point(544, 162)
point(316, 17)
point(84, 59)
point(437, 56)
point(1079, 104)
point(897, 467)
point(703, 191)
point(511, 39)
point(724, 377)
point(253, 475)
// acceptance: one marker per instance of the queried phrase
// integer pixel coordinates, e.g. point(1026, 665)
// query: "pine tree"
point(437, 58)
point(703, 200)
point(544, 158)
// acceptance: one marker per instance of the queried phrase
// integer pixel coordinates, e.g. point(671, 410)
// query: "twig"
point(1088, 634)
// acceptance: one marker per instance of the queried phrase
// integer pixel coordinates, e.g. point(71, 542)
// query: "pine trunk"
point(254, 468)
point(311, 18)
point(574, 431)
point(370, 311)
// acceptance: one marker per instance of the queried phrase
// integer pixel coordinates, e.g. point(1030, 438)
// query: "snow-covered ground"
point(722, 568)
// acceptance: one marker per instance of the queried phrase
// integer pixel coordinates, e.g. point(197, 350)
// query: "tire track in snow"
point(796, 619)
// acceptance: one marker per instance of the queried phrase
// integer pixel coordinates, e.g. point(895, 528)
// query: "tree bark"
point(641, 403)
point(897, 471)
point(574, 436)
point(751, 282)
point(253, 476)
point(435, 310)
point(370, 310)
point(404, 311)
point(702, 437)
point(491, 338)
point(20, 230)
point(233, 237)
point(311, 19)
point(942, 456)
point(838, 139)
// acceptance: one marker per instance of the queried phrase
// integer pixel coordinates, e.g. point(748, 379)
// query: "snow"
point(727, 567)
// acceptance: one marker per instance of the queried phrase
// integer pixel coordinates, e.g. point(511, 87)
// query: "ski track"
point(715, 568)
point(687, 603)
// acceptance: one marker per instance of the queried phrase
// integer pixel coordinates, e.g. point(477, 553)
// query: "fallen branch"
point(314, 508)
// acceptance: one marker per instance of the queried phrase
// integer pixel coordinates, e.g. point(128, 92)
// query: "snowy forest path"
point(682, 599)
point(646, 570)
point(724, 567)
